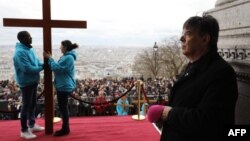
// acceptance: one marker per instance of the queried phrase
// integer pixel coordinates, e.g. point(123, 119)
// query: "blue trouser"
point(62, 98)
point(28, 108)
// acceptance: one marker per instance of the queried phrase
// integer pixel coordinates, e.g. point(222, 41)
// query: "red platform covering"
point(102, 128)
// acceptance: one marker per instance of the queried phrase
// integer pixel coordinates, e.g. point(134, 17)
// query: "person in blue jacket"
point(64, 72)
point(27, 74)
point(122, 106)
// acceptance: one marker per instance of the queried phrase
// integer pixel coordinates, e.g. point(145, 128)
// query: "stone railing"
point(239, 58)
point(234, 53)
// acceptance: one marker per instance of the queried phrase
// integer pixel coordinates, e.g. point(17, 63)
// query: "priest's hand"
point(158, 112)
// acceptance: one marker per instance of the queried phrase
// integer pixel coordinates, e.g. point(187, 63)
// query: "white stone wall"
point(234, 20)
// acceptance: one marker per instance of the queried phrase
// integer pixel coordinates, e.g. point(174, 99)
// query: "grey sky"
point(110, 22)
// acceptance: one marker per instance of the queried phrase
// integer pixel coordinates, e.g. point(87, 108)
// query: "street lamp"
point(159, 98)
point(155, 48)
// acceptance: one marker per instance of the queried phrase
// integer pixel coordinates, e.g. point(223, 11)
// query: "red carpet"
point(105, 128)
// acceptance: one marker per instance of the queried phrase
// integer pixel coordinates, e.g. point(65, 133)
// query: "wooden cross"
point(46, 23)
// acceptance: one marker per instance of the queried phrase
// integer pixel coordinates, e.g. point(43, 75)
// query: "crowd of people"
point(91, 91)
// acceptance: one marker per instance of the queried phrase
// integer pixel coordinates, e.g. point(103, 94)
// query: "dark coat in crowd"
point(203, 101)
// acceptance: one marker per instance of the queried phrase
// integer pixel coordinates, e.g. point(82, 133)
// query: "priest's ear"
point(206, 39)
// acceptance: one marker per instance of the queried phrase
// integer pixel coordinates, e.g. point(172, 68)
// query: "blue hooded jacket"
point(120, 109)
point(27, 65)
point(64, 71)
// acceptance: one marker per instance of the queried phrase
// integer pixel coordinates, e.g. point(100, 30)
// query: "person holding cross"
point(27, 70)
point(64, 71)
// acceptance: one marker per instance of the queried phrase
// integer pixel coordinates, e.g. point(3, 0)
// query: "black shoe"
point(61, 132)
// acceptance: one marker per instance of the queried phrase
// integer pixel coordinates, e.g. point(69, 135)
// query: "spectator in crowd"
point(144, 107)
point(27, 71)
point(122, 106)
point(64, 71)
point(100, 102)
point(202, 101)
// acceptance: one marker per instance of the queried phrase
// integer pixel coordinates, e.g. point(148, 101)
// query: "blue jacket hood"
point(73, 53)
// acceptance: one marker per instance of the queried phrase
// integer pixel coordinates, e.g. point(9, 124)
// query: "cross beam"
point(46, 23)
point(39, 23)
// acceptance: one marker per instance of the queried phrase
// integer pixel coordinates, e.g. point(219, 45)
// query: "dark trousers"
point(62, 98)
point(29, 104)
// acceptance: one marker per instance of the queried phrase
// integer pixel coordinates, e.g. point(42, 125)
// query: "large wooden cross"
point(46, 23)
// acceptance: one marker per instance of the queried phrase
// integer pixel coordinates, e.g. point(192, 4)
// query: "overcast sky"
point(110, 22)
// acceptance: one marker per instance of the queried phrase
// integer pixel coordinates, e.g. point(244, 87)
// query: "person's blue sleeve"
point(63, 65)
point(25, 65)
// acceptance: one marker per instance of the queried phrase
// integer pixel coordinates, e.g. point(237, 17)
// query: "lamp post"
point(159, 98)
point(155, 48)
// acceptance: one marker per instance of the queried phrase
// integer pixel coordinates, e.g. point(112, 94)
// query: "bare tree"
point(144, 64)
point(172, 60)
point(169, 60)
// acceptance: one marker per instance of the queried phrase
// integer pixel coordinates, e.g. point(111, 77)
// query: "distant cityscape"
point(92, 62)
